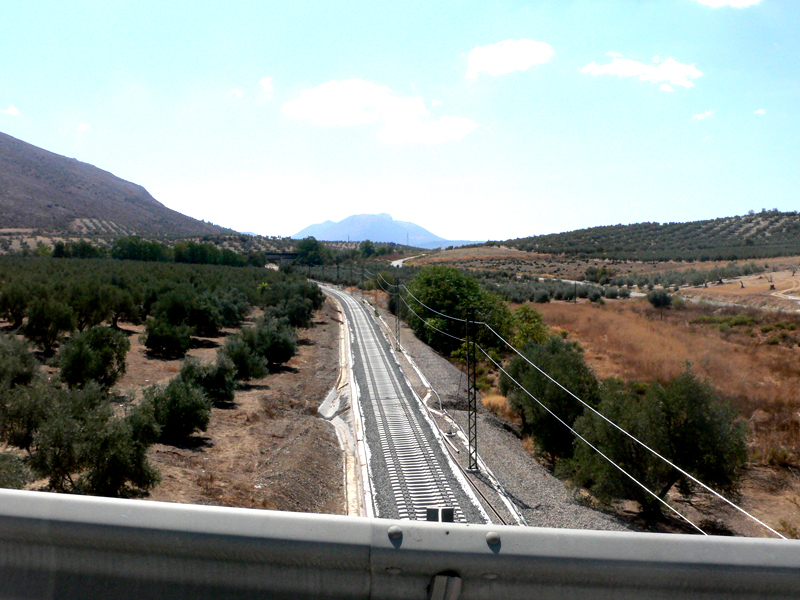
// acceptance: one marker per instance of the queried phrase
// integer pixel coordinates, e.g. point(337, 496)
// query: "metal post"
point(472, 394)
point(397, 313)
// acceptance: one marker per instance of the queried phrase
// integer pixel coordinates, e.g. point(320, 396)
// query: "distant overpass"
point(282, 257)
point(63, 546)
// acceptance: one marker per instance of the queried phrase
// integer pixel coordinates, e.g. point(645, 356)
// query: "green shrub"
point(273, 339)
point(166, 340)
point(564, 362)
point(17, 364)
point(23, 409)
point(205, 318)
point(218, 381)
point(541, 296)
point(179, 408)
point(247, 362)
point(684, 421)
point(14, 299)
point(72, 418)
point(97, 354)
point(115, 459)
point(47, 321)
point(13, 473)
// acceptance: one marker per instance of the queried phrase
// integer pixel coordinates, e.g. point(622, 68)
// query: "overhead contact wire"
point(428, 324)
point(433, 309)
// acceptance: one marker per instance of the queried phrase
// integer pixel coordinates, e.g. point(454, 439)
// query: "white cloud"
point(703, 116)
point(417, 131)
point(507, 56)
point(236, 93)
point(84, 127)
point(613, 54)
point(358, 102)
point(11, 110)
point(265, 83)
point(733, 3)
point(665, 87)
point(667, 71)
point(436, 102)
point(760, 111)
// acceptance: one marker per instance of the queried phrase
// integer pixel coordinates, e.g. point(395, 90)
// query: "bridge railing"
point(59, 546)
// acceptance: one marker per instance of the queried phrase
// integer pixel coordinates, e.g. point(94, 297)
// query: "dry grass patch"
point(627, 340)
point(498, 405)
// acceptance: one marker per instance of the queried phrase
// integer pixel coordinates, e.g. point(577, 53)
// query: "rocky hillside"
point(52, 193)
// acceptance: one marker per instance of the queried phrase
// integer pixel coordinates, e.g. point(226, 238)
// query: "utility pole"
point(472, 393)
point(397, 313)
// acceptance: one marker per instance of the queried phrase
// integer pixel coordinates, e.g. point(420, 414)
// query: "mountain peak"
point(380, 228)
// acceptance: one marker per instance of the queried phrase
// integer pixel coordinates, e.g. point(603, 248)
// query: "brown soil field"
point(270, 450)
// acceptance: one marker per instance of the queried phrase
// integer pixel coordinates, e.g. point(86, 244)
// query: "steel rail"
point(416, 474)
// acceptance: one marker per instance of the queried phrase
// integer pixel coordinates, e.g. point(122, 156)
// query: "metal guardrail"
point(59, 546)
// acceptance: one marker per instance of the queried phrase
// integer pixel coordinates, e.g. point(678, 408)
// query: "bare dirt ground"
point(270, 450)
point(777, 290)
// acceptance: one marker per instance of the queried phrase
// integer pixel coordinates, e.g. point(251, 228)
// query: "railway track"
point(408, 465)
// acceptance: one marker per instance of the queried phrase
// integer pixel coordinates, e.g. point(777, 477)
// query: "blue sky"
point(476, 120)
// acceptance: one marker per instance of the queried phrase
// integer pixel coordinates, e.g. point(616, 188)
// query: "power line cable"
point(391, 285)
point(433, 309)
point(428, 324)
point(642, 444)
point(593, 447)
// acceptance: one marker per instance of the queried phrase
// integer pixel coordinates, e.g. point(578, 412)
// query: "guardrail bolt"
point(493, 538)
point(395, 533)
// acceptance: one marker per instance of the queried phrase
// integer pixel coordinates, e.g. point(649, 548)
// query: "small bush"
point(17, 364)
point(594, 295)
point(13, 473)
point(115, 456)
point(218, 381)
point(167, 340)
point(48, 320)
point(246, 361)
point(96, 354)
point(273, 339)
point(179, 408)
point(22, 411)
point(541, 296)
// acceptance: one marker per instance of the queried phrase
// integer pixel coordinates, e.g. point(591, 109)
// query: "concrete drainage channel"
point(410, 474)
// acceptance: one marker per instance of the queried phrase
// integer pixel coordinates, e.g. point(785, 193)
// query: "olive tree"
point(96, 354)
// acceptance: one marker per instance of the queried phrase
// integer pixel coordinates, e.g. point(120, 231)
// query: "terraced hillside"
point(756, 235)
point(52, 193)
